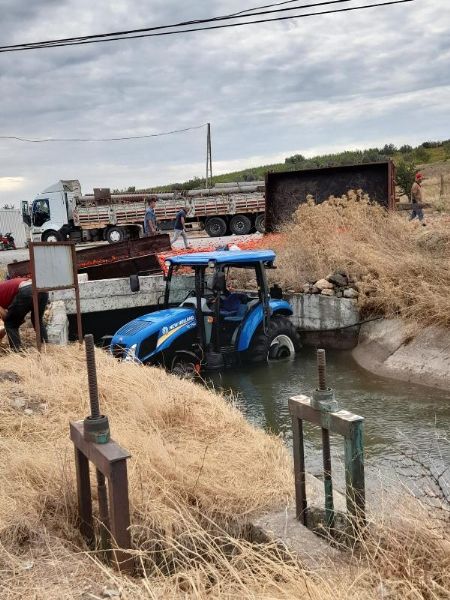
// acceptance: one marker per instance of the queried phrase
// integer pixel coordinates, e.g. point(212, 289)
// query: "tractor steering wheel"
point(189, 294)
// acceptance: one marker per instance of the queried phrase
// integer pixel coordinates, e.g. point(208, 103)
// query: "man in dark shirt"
point(179, 229)
point(417, 199)
point(150, 226)
point(16, 301)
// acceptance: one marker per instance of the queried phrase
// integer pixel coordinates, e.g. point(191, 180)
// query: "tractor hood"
point(147, 335)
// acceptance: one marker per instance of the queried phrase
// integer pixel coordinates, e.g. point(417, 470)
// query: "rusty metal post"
point(354, 474)
point(326, 452)
point(96, 429)
point(84, 497)
point(299, 470)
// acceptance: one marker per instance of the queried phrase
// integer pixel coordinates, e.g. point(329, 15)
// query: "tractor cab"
point(209, 320)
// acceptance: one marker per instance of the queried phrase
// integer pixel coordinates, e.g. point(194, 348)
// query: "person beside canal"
point(16, 301)
point(150, 223)
point(179, 228)
point(417, 199)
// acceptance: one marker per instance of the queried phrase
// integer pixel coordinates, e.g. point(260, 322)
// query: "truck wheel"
point(260, 223)
point(240, 225)
point(281, 341)
point(215, 227)
point(51, 236)
point(115, 234)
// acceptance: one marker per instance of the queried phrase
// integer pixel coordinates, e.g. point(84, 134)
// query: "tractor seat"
point(238, 315)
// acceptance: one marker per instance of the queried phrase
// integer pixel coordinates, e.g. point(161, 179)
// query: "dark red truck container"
point(285, 191)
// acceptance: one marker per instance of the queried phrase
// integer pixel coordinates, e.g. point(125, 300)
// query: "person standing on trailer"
point(417, 199)
point(179, 228)
point(150, 223)
point(16, 301)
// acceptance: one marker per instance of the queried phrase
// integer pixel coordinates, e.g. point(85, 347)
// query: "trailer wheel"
point(240, 225)
point(282, 341)
point(51, 236)
point(260, 223)
point(215, 227)
point(115, 234)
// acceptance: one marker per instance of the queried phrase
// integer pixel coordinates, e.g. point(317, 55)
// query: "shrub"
point(405, 174)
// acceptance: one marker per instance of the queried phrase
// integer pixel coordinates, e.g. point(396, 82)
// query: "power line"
point(47, 43)
point(114, 139)
point(80, 41)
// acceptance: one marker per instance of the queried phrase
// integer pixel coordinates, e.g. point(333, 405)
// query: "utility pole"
point(208, 179)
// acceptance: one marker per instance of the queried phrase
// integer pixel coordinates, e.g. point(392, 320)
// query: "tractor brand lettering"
point(167, 332)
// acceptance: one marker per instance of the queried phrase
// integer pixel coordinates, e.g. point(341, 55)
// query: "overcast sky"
point(314, 85)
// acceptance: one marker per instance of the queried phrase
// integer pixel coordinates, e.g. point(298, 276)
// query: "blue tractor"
point(204, 325)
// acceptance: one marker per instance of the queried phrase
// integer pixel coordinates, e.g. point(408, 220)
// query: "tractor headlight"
point(131, 354)
point(167, 263)
point(211, 264)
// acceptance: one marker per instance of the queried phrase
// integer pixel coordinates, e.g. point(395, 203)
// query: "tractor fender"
point(254, 320)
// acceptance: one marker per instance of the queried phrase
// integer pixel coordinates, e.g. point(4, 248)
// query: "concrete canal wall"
point(314, 314)
point(390, 348)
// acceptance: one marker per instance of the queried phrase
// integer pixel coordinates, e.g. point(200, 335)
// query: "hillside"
point(428, 153)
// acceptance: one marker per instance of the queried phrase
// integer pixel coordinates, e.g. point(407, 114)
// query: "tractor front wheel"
point(280, 342)
point(185, 367)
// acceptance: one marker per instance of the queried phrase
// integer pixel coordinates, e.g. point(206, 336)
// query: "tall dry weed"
point(401, 268)
point(198, 473)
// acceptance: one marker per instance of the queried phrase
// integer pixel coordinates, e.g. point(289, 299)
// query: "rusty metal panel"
point(147, 264)
point(286, 191)
point(108, 252)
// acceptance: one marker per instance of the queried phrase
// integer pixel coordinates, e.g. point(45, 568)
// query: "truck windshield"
point(40, 212)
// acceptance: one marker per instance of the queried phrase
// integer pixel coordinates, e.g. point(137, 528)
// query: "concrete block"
point(112, 294)
point(58, 327)
point(315, 311)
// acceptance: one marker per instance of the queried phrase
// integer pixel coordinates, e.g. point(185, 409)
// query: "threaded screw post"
point(321, 369)
point(92, 375)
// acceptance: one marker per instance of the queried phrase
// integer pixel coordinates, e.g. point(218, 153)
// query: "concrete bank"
point(390, 349)
point(313, 313)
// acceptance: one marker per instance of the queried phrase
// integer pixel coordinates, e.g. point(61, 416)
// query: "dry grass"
point(198, 474)
point(436, 185)
point(402, 268)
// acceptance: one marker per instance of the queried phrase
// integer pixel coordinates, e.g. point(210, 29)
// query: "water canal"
point(403, 422)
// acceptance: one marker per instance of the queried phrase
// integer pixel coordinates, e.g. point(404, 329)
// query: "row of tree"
point(406, 157)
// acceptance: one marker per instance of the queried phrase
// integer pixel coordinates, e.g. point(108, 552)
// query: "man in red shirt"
point(16, 301)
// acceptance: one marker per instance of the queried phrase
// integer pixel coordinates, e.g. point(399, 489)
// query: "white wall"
point(11, 222)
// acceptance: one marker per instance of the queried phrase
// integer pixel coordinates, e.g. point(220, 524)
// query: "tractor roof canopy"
point(230, 257)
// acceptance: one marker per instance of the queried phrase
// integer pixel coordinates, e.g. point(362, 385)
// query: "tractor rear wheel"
point(282, 341)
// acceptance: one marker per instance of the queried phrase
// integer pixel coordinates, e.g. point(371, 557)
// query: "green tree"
point(421, 155)
point(405, 175)
point(447, 150)
point(389, 150)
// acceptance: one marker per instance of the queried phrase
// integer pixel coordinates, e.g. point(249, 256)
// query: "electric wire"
point(113, 139)
point(180, 24)
point(79, 42)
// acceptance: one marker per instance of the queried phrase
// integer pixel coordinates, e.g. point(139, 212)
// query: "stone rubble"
point(338, 284)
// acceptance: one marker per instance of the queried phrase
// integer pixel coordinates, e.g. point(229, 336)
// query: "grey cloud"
point(266, 89)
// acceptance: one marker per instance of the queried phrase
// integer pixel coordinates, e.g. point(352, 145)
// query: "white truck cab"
point(52, 209)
